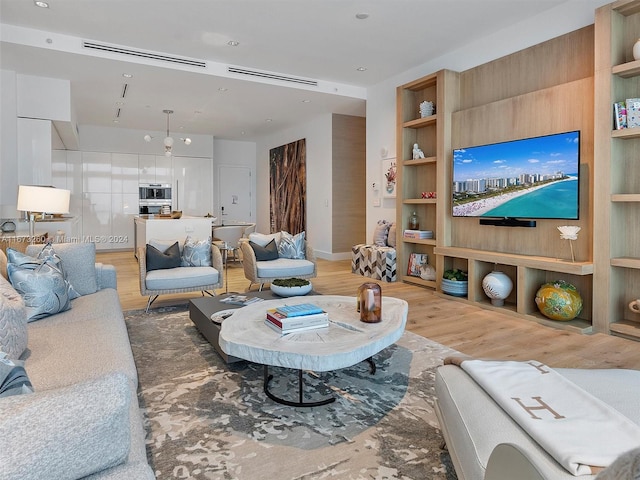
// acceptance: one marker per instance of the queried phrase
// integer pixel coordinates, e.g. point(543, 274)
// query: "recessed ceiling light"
point(306, 101)
point(222, 89)
point(119, 103)
point(116, 121)
point(41, 4)
point(233, 43)
point(269, 120)
point(127, 75)
point(362, 16)
point(362, 69)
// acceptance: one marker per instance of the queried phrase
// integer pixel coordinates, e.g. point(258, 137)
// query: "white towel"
point(577, 429)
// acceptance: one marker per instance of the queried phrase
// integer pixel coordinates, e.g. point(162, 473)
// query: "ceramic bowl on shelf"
point(457, 288)
point(291, 291)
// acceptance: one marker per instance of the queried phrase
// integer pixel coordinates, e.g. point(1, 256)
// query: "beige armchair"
point(261, 272)
point(180, 279)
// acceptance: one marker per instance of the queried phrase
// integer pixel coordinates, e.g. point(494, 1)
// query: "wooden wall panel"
point(548, 88)
point(561, 60)
point(348, 182)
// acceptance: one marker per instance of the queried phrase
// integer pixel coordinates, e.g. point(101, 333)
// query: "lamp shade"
point(37, 198)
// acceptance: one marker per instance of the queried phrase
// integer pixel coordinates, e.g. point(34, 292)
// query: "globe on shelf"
point(559, 300)
point(497, 286)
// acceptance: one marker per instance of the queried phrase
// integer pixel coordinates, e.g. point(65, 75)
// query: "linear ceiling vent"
point(103, 47)
point(272, 76)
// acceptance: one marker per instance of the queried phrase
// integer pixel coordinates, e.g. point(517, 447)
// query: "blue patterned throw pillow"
point(292, 246)
point(196, 253)
point(42, 286)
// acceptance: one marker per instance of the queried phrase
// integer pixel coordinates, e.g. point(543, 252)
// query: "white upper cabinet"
point(34, 151)
point(155, 169)
point(124, 173)
point(96, 172)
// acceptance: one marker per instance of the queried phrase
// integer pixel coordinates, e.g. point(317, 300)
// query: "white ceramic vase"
point(636, 50)
point(497, 286)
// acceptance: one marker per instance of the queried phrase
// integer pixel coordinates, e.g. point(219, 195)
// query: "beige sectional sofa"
point(83, 419)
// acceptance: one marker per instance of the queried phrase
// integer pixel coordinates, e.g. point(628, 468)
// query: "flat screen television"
point(530, 178)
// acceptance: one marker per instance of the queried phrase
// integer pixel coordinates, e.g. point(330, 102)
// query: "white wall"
point(318, 135)
point(381, 98)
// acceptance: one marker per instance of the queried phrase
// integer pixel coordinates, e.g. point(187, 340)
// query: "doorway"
point(235, 194)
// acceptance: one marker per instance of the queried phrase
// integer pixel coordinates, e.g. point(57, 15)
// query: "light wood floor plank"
point(466, 328)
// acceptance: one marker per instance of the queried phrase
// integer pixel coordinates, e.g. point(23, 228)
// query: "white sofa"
point(83, 419)
point(486, 444)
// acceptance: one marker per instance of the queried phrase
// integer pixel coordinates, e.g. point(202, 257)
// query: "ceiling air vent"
point(272, 76)
point(103, 47)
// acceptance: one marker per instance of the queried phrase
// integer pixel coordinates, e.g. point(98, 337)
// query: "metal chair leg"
point(152, 298)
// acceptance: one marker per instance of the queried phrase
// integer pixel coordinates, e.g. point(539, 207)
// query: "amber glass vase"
point(370, 301)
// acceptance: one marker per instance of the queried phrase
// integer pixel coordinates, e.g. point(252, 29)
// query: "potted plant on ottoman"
point(290, 287)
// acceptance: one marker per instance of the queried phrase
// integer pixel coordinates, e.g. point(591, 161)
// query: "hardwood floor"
point(466, 328)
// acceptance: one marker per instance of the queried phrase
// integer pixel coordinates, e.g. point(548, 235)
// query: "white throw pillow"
point(263, 239)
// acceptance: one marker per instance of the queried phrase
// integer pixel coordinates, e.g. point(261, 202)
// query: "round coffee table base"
point(301, 402)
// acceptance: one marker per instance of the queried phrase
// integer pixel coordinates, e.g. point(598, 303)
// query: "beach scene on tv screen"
point(528, 178)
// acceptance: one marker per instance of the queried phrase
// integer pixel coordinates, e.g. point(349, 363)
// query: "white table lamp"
point(42, 199)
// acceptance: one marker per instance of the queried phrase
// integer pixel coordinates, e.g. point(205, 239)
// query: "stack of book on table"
point(243, 300)
point(296, 318)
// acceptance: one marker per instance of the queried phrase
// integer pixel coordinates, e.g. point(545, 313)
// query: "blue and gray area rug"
point(209, 420)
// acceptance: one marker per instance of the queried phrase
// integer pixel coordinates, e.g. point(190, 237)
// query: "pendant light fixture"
point(168, 140)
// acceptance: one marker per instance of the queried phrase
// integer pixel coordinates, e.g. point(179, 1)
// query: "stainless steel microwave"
point(155, 191)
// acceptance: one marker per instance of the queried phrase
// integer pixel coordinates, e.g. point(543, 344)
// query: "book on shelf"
point(416, 262)
point(619, 115)
point(243, 300)
point(633, 112)
point(299, 310)
point(418, 234)
point(283, 331)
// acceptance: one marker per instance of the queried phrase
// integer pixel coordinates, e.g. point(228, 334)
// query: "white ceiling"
point(313, 39)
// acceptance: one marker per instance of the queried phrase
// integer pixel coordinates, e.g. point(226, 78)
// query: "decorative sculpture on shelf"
point(417, 153)
point(569, 232)
point(559, 300)
point(497, 286)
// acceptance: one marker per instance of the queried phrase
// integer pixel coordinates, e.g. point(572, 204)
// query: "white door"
point(235, 194)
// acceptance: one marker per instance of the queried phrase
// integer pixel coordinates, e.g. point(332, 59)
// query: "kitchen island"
point(157, 227)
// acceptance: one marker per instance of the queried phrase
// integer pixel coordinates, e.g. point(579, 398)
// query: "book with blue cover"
point(299, 310)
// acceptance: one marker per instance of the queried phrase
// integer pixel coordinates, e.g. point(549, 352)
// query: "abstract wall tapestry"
point(288, 187)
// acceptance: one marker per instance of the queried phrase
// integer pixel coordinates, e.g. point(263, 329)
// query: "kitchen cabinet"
point(193, 185)
point(155, 169)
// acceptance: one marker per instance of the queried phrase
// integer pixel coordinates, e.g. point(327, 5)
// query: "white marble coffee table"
point(345, 342)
